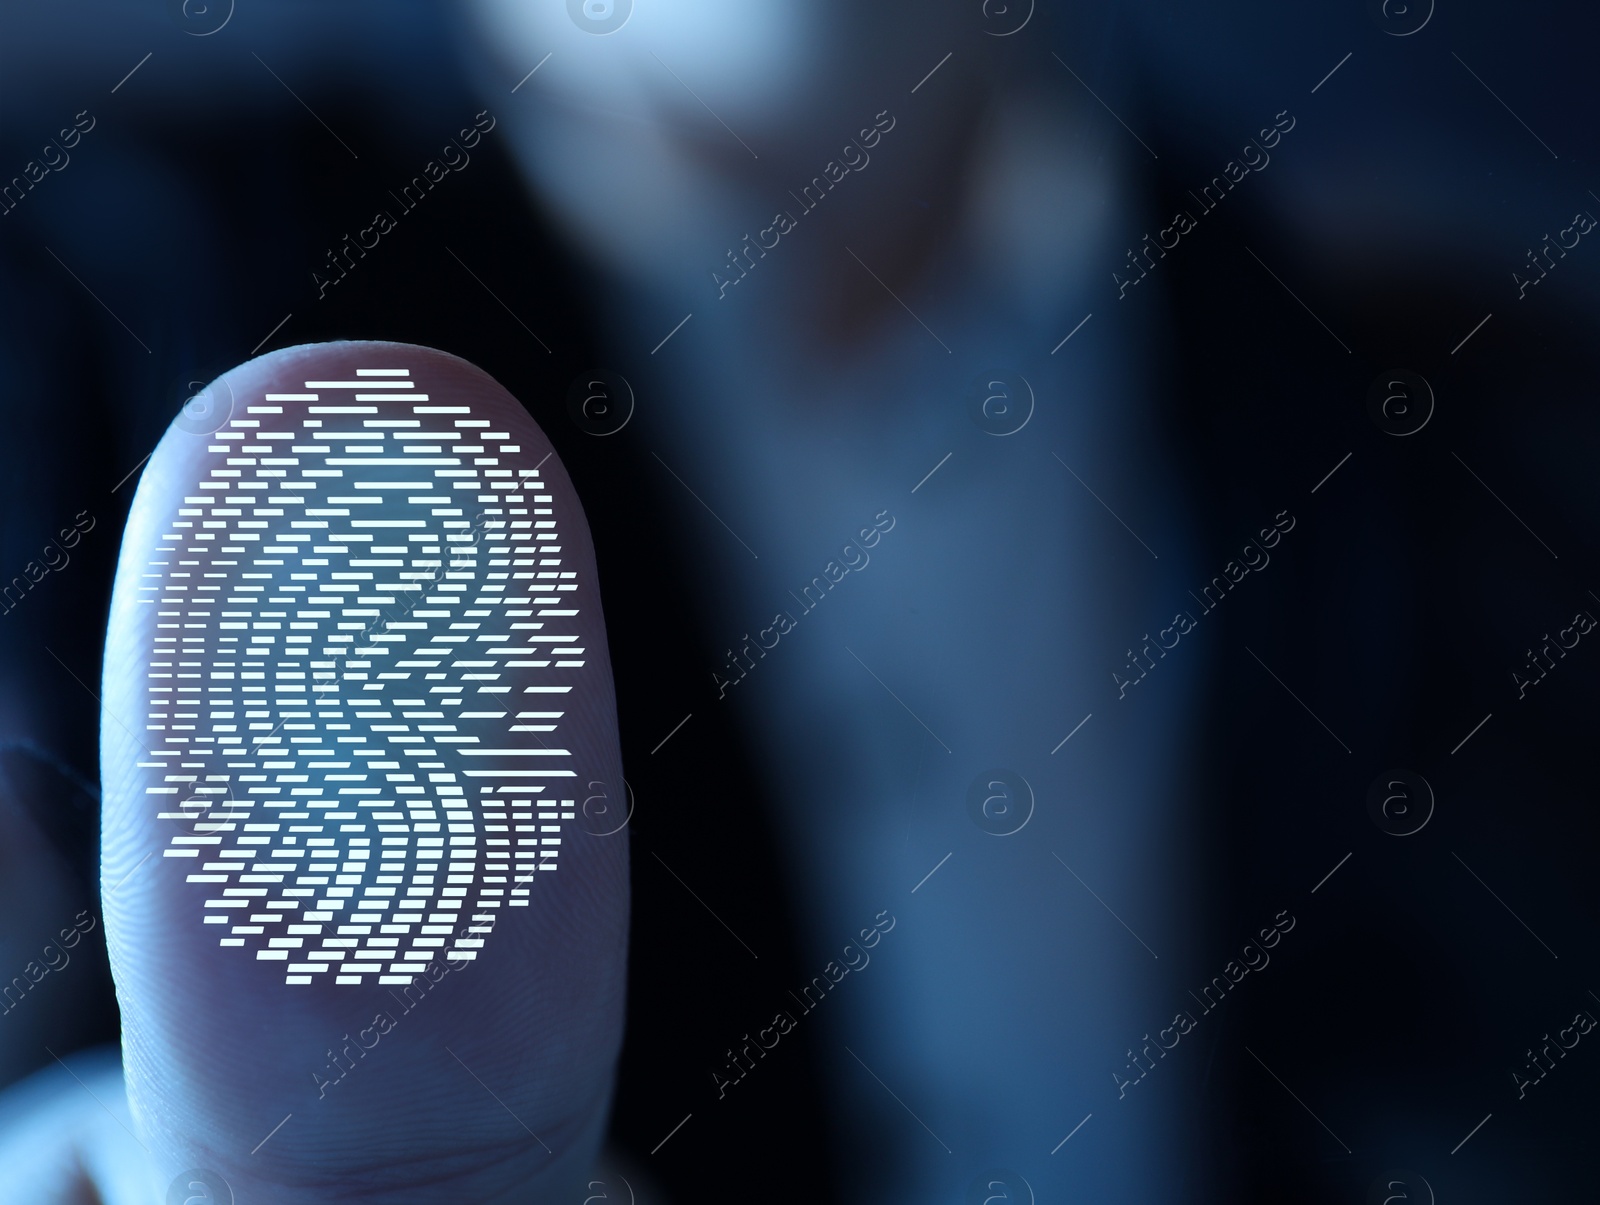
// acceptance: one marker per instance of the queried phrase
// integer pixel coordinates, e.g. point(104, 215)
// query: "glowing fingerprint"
point(364, 643)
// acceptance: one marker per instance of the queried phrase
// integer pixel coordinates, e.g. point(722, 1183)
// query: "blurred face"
point(659, 132)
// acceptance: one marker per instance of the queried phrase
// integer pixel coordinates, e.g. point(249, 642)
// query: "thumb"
point(356, 678)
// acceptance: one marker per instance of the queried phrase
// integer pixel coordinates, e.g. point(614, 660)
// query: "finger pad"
point(356, 687)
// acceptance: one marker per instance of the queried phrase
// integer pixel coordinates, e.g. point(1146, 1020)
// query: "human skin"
point(219, 1050)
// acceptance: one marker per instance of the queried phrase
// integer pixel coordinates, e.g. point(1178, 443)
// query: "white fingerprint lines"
point(352, 609)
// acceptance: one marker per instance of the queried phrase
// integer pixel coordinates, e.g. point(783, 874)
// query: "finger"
point(355, 677)
point(66, 1137)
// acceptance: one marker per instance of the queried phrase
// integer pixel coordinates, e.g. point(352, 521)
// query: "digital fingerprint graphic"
point(364, 643)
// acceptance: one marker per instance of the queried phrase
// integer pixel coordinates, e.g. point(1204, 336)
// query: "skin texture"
point(445, 1104)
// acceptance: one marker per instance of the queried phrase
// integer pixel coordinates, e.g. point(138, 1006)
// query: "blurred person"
point(809, 401)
